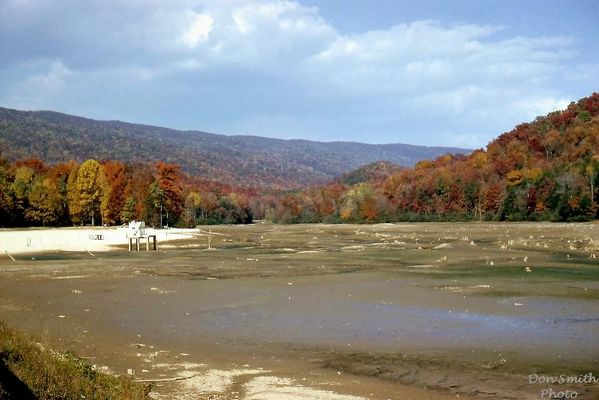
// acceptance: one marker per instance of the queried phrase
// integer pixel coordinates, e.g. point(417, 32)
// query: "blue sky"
point(455, 73)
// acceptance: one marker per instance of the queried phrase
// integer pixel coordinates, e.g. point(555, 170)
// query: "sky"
point(427, 72)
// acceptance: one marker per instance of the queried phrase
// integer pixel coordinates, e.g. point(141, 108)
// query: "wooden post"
point(209, 238)
point(138, 241)
point(11, 257)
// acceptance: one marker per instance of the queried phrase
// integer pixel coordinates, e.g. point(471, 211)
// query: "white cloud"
point(199, 31)
point(266, 35)
point(541, 106)
point(428, 57)
point(39, 89)
point(280, 58)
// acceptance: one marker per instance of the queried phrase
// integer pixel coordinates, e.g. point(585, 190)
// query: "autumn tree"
point(192, 205)
point(58, 175)
point(136, 192)
point(6, 196)
point(73, 196)
point(44, 202)
point(114, 180)
point(21, 187)
point(169, 182)
point(89, 188)
point(35, 164)
point(590, 170)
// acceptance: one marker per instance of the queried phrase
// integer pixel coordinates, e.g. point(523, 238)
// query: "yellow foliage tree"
point(89, 186)
point(73, 196)
point(514, 177)
point(44, 202)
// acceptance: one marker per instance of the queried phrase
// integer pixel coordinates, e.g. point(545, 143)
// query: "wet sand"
point(326, 311)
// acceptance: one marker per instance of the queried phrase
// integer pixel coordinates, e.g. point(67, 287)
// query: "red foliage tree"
point(169, 180)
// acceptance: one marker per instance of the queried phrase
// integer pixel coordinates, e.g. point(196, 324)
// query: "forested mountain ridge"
point(547, 169)
point(247, 160)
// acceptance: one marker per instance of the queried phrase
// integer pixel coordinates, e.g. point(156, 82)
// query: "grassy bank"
point(31, 370)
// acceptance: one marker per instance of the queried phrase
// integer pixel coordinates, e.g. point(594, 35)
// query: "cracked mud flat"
point(388, 311)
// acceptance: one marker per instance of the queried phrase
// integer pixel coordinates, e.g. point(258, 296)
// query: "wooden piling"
point(138, 240)
point(11, 257)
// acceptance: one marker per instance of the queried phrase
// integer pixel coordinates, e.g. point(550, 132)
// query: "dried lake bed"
point(387, 311)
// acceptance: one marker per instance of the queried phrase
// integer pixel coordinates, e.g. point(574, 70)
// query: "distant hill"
point(375, 172)
point(547, 169)
point(247, 160)
point(543, 170)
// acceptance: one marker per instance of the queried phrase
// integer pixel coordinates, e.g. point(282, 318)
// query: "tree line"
point(547, 169)
point(112, 193)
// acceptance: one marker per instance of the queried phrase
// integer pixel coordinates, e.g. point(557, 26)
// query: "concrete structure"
point(39, 240)
point(136, 232)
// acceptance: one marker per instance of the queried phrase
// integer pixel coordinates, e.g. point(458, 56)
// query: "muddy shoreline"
point(379, 311)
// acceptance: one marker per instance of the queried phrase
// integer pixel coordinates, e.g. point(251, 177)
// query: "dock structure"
point(137, 232)
point(134, 242)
